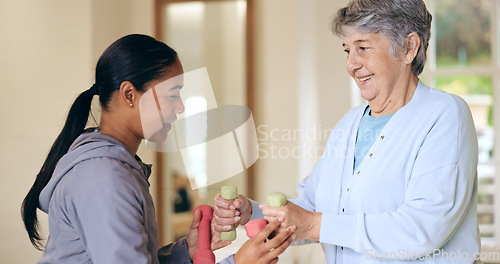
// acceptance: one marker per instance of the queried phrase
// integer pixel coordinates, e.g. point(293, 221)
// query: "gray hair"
point(394, 19)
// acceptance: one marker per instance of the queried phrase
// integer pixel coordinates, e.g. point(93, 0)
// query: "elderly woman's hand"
point(308, 223)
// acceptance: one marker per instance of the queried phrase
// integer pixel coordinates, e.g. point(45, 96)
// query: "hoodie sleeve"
point(178, 253)
point(110, 213)
point(175, 253)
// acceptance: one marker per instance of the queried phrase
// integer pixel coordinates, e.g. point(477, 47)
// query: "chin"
point(367, 95)
point(160, 135)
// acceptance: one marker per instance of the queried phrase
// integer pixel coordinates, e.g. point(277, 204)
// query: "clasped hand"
point(239, 211)
point(257, 250)
point(307, 222)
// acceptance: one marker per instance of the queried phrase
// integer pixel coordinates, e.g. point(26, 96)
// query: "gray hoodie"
point(100, 209)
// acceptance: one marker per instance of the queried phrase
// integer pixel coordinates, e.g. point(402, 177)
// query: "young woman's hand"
point(192, 236)
point(259, 250)
point(308, 223)
point(228, 213)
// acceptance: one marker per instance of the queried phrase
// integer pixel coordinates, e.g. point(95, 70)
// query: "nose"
point(179, 107)
point(353, 63)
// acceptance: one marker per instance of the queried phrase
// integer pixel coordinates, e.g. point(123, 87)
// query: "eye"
point(364, 48)
point(347, 51)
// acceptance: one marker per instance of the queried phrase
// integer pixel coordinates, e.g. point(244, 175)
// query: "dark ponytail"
point(139, 59)
point(74, 126)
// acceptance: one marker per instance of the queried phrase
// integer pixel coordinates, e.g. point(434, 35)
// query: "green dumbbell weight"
point(276, 199)
point(229, 193)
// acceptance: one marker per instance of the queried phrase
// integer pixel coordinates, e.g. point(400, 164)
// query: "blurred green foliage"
point(463, 32)
point(465, 84)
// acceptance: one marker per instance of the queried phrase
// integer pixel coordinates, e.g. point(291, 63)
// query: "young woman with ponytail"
point(93, 186)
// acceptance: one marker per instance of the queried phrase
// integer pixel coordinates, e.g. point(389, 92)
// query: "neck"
point(114, 126)
point(400, 96)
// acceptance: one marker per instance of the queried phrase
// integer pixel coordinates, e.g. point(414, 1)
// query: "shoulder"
point(434, 106)
point(106, 169)
point(444, 102)
point(104, 177)
point(447, 117)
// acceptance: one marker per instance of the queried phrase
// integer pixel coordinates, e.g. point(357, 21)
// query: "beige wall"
point(45, 63)
point(293, 37)
point(47, 57)
point(302, 84)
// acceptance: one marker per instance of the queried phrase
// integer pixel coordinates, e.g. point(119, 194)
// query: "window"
point(463, 59)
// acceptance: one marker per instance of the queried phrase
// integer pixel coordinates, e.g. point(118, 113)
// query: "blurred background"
point(277, 57)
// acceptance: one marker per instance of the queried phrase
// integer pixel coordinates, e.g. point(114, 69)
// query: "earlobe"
point(127, 91)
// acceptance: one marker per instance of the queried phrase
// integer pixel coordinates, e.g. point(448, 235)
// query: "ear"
point(127, 93)
point(413, 44)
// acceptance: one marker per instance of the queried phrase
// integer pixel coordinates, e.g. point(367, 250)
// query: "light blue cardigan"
point(414, 196)
point(100, 209)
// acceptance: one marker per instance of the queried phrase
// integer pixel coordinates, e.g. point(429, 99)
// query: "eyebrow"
point(176, 87)
point(357, 42)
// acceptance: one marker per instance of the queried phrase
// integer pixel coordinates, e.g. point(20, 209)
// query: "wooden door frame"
point(250, 26)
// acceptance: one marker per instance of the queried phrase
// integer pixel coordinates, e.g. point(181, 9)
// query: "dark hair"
point(392, 18)
point(136, 58)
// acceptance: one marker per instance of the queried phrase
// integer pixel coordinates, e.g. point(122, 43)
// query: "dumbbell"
point(229, 193)
point(255, 226)
point(204, 255)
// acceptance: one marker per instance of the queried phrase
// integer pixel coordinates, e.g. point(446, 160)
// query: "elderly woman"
point(401, 184)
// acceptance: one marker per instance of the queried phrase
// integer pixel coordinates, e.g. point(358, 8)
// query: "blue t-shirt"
point(368, 131)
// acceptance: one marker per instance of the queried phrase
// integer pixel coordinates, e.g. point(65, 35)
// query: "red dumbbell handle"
point(204, 255)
